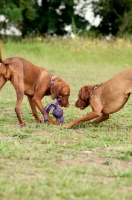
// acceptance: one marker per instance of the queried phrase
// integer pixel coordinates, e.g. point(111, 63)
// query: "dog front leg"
point(102, 118)
point(39, 105)
point(85, 118)
point(34, 110)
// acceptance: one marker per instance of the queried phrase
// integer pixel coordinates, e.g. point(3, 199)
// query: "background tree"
point(52, 16)
point(11, 12)
point(49, 17)
point(116, 16)
point(15, 11)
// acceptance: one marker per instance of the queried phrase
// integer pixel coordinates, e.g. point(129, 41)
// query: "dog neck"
point(53, 80)
point(94, 88)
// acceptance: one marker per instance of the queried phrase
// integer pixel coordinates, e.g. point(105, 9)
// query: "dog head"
point(84, 97)
point(60, 89)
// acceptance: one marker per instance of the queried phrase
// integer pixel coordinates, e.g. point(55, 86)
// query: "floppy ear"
point(84, 93)
point(55, 89)
point(86, 90)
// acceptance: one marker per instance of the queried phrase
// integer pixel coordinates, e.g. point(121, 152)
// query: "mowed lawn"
point(87, 162)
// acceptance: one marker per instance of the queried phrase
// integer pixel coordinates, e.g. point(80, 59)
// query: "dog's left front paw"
point(67, 126)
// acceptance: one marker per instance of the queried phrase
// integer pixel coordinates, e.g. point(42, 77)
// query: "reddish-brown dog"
point(34, 82)
point(105, 99)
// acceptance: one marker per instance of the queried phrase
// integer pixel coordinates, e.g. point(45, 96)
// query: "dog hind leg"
point(20, 95)
point(2, 81)
point(34, 110)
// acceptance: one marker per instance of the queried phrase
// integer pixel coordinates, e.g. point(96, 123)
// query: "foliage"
point(49, 17)
point(52, 16)
point(15, 12)
point(116, 16)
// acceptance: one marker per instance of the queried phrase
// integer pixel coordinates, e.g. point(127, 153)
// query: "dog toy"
point(57, 111)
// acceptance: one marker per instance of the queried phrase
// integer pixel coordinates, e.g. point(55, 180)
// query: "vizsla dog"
point(104, 99)
point(35, 83)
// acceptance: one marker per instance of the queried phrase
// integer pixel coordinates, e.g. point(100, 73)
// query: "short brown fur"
point(104, 99)
point(34, 82)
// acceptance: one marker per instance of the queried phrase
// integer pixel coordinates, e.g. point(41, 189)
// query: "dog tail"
point(0, 52)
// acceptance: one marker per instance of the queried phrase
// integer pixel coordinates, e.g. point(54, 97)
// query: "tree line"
point(52, 16)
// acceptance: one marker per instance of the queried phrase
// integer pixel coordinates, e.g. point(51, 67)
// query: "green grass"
point(89, 162)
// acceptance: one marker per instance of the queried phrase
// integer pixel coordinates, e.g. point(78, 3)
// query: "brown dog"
point(34, 82)
point(105, 99)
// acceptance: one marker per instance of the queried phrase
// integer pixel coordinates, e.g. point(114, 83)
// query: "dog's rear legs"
point(34, 110)
point(2, 81)
point(20, 95)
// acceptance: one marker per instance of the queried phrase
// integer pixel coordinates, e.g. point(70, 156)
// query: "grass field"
point(87, 162)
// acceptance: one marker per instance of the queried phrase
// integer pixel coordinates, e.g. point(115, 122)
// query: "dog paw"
point(53, 123)
point(40, 121)
point(56, 123)
point(23, 124)
point(67, 126)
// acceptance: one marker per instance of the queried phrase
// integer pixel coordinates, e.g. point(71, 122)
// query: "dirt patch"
point(119, 148)
point(90, 158)
point(19, 170)
point(127, 189)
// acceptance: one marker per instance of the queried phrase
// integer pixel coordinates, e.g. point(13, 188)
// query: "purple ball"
point(60, 119)
point(58, 112)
